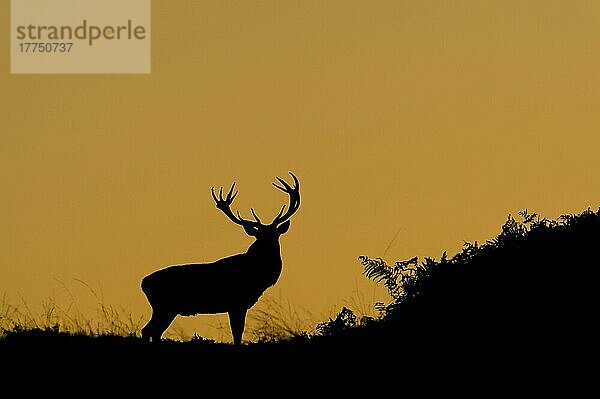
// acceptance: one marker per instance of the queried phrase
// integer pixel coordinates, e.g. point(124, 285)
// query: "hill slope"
point(530, 293)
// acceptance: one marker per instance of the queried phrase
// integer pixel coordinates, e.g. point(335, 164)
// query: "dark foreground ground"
point(520, 309)
point(375, 361)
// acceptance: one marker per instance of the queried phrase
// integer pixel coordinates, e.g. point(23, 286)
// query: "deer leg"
point(237, 321)
point(157, 325)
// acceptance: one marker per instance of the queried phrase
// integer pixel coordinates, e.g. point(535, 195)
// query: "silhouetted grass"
point(56, 316)
point(275, 321)
point(529, 290)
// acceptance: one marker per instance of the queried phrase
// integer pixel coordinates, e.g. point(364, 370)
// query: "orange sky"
point(432, 118)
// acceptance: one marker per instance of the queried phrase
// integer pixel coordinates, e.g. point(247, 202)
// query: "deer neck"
point(266, 251)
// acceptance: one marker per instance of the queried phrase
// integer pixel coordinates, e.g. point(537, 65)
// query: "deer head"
point(255, 228)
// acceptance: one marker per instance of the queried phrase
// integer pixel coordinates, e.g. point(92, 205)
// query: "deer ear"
point(283, 228)
point(251, 231)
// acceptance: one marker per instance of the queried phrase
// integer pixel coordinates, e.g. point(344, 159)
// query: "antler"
point(294, 193)
point(224, 205)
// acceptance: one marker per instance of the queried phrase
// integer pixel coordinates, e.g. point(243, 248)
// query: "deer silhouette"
point(230, 285)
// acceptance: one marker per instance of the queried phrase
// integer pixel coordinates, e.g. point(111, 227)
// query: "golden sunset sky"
point(432, 120)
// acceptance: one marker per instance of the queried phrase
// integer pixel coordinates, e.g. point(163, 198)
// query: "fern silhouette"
point(531, 285)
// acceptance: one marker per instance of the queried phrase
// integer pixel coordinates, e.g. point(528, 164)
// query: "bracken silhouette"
point(230, 285)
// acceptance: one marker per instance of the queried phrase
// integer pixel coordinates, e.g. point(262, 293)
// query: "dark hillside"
point(529, 295)
point(532, 288)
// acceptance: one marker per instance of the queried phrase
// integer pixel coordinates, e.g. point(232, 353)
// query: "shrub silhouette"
point(345, 320)
point(530, 286)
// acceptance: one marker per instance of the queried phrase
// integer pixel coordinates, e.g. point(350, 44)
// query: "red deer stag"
point(230, 285)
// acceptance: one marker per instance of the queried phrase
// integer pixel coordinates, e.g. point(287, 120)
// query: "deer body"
point(230, 285)
point(217, 287)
